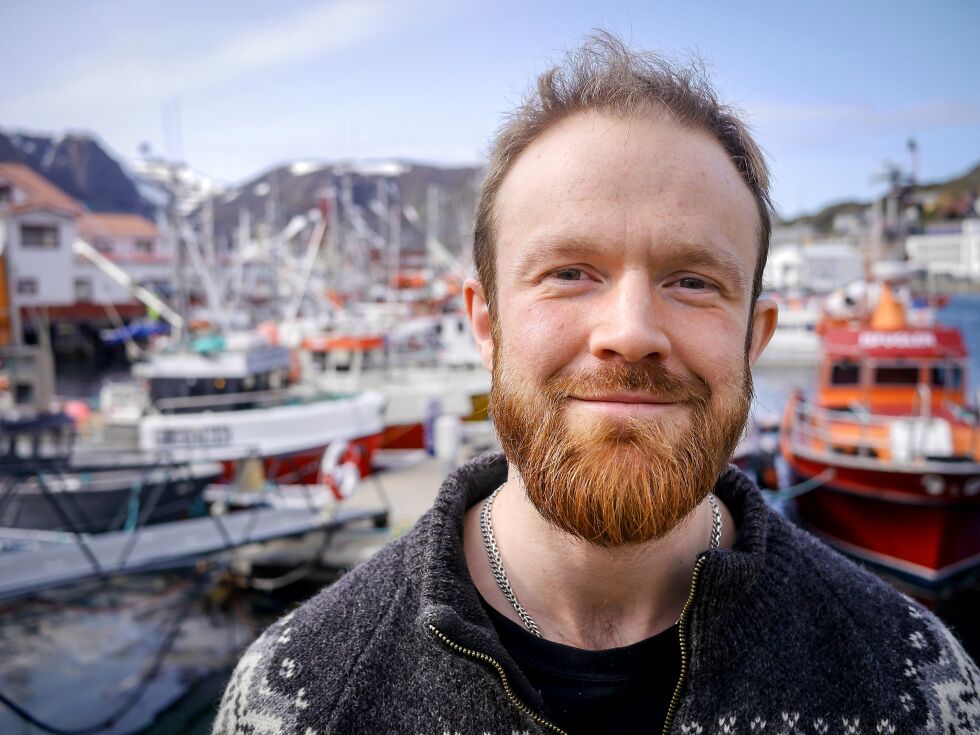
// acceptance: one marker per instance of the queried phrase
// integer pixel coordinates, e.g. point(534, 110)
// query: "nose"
point(628, 323)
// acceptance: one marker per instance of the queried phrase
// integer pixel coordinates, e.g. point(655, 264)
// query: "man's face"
point(624, 263)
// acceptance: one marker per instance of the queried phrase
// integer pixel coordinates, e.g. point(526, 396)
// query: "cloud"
point(918, 116)
point(313, 32)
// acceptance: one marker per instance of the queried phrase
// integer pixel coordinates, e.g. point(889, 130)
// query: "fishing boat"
point(234, 397)
point(48, 484)
point(795, 342)
point(426, 368)
point(891, 446)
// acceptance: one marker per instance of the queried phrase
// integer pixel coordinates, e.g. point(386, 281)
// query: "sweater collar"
point(728, 607)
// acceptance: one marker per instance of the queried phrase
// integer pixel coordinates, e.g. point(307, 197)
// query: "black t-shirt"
point(620, 690)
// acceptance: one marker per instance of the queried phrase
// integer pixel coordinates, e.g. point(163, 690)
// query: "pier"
point(61, 559)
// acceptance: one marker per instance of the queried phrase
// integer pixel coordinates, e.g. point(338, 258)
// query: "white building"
point(39, 225)
point(815, 268)
point(951, 254)
point(131, 242)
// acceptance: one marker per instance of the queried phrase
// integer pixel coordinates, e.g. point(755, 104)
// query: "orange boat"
point(892, 447)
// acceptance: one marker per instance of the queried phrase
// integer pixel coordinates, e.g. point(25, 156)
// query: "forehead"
point(636, 182)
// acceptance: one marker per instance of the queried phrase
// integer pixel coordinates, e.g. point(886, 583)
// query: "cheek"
point(711, 346)
point(544, 334)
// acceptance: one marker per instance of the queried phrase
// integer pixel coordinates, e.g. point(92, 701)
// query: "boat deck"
point(60, 560)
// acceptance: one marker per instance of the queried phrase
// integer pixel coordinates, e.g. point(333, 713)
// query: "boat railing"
point(231, 401)
point(809, 428)
point(860, 433)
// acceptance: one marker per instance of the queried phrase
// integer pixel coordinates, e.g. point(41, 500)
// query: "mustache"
point(649, 377)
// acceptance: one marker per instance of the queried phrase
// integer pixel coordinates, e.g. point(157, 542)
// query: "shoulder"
point(880, 642)
point(317, 647)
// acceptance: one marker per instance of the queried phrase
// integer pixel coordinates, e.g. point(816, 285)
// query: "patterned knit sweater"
point(783, 637)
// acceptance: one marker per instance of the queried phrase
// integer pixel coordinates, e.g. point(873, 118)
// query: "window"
point(897, 375)
point(103, 245)
point(947, 376)
point(845, 373)
point(27, 286)
point(23, 393)
point(38, 236)
point(83, 289)
point(6, 193)
point(144, 246)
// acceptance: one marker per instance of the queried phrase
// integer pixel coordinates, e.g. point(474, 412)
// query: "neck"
point(579, 594)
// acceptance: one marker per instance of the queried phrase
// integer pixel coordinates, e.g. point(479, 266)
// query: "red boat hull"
point(887, 519)
point(303, 467)
point(404, 436)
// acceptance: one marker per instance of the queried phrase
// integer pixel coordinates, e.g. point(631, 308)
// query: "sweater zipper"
point(674, 700)
point(682, 639)
point(503, 679)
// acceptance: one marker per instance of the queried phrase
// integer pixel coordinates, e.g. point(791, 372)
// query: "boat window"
point(947, 376)
point(373, 359)
point(161, 388)
point(845, 373)
point(897, 375)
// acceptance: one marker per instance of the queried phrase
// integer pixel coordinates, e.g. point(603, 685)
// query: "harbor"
point(261, 298)
point(162, 610)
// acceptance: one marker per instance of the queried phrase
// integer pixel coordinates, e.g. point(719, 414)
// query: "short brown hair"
point(606, 75)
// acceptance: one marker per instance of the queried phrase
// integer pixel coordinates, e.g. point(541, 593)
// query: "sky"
point(832, 89)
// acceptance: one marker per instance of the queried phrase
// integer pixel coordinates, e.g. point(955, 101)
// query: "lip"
point(626, 397)
point(625, 405)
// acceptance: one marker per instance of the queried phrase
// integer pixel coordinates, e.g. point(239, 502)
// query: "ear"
point(479, 315)
point(765, 314)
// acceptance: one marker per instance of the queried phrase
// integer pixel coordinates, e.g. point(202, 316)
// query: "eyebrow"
point(714, 258)
point(550, 247)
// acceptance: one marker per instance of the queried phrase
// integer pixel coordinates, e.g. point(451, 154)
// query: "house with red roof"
point(42, 275)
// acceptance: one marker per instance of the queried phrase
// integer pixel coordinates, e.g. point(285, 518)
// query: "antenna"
point(913, 147)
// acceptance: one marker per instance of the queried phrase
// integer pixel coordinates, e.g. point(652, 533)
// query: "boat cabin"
point(351, 354)
point(892, 371)
point(216, 376)
point(35, 442)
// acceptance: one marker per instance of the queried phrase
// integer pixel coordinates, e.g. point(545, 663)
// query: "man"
point(611, 575)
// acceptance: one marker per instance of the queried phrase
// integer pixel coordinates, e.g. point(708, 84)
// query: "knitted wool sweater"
point(782, 636)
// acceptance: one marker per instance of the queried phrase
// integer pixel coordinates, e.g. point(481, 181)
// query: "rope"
point(795, 491)
point(133, 511)
point(135, 695)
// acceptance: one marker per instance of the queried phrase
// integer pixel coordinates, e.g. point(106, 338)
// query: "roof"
point(42, 194)
point(938, 342)
point(112, 224)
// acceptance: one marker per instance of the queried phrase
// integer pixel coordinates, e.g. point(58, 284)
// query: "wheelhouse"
point(888, 371)
point(211, 377)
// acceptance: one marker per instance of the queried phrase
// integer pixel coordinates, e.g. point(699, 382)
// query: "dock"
point(63, 558)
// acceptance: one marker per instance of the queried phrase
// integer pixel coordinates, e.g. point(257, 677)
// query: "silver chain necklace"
point(497, 566)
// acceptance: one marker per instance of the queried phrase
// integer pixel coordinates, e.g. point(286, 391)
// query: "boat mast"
point(8, 292)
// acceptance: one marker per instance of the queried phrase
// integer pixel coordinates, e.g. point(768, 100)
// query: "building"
point(132, 242)
point(816, 268)
point(953, 253)
point(44, 279)
point(40, 227)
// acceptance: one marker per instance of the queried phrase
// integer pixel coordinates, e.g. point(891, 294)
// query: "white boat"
point(795, 343)
point(425, 368)
point(235, 397)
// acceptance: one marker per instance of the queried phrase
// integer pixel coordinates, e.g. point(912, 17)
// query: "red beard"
point(616, 481)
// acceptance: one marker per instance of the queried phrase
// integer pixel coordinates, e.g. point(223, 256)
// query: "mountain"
point(79, 165)
point(952, 197)
point(365, 195)
point(968, 182)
